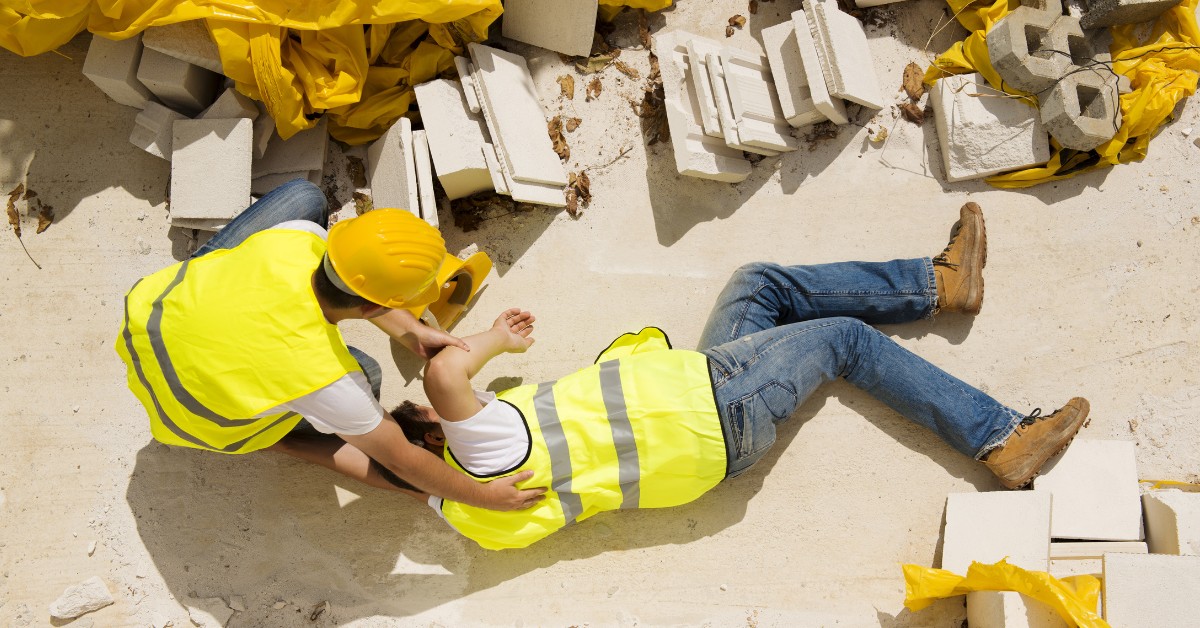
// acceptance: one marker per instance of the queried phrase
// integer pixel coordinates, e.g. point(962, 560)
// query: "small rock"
point(74, 408)
point(279, 605)
point(237, 603)
point(1197, 142)
point(1139, 243)
point(91, 548)
point(1186, 132)
point(85, 597)
point(209, 612)
point(613, 590)
point(724, 587)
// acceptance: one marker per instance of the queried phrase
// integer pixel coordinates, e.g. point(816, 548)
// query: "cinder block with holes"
point(1032, 49)
point(1084, 110)
point(113, 66)
point(1102, 13)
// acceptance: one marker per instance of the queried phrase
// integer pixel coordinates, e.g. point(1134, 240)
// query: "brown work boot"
point(1038, 438)
point(958, 270)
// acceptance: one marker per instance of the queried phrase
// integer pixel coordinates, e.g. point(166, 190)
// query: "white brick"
point(153, 129)
point(230, 104)
point(698, 51)
point(1065, 567)
point(187, 41)
point(210, 168)
point(301, 152)
point(1151, 590)
point(466, 76)
point(264, 130)
point(716, 74)
point(846, 59)
point(1009, 609)
point(1094, 549)
point(391, 169)
point(982, 132)
point(566, 26)
point(986, 527)
point(1172, 522)
point(756, 109)
point(264, 184)
point(829, 106)
point(787, 70)
point(509, 98)
point(425, 195)
point(696, 153)
point(113, 66)
point(455, 138)
point(184, 87)
point(1095, 488)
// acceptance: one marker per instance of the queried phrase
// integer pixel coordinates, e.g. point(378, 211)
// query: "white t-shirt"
point(493, 441)
point(347, 406)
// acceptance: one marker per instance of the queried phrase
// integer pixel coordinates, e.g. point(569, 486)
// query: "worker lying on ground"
point(230, 348)
point(648, 427)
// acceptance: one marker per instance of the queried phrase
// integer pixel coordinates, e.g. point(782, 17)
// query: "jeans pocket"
point(752, 418)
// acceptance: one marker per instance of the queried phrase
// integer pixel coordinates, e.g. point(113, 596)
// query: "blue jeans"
point(295, 200)
point(779, 332)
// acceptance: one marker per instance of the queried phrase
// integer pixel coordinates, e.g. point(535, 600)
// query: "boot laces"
point(943, 258)
point(1033, 417)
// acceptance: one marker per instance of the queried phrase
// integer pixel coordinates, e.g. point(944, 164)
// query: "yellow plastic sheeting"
point(1074, 598)
point(1163, 70)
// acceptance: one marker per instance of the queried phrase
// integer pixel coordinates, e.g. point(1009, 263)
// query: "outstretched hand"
point(503, 494)
point(515, 325)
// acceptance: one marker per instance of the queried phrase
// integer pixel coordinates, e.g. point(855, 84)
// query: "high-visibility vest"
point(638, 429)
point(212, 342)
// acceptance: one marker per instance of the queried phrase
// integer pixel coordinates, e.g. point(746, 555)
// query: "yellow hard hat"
point(387, 256)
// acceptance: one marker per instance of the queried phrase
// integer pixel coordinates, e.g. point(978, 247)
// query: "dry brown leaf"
point(729, 31)
point(651, 109)
point(358, 172)
point(737, 21)
point(583, 185)
point(572, 202)
point(913, 81)
point(594, 88)
point(627, 71)
point(821, 132)
point(753, 8)
point(572, 124)
point(555, 128)
point(594, 64)
point(579, 192)
point(14, 217)
point(644, 30)
point(912, 113)
point(45, 214)
point(362, 203)
point(567, 83)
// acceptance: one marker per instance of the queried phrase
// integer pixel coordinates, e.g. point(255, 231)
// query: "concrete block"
point(1077, 549)
point(466, 76)
point(1083, 111)
point(1172, 522)
point(113, 66)
point(495, 170)
point(1151, 590)
point(696, 153)
point(842, 49)
point(264, 130)
point(787, 71)
point(756, 109)
point(1102, 13)
point(391, 169)
point(1065, 567)
point(425, 196)
point(831, 107)
point(729, 128)
point(210, 168)
point(264, 184)
point(302, 152)
point(153, 129)
point(1095, 489)
point(200, 224)
point(986, 527)
point(455, 137)
point(1020, 46)
point(230, 104)
point(516, 116)
point(1009, 609)
point(982, 132)
point(184, 87)
point(566, 26)
point(698, 51)
point(187, 41)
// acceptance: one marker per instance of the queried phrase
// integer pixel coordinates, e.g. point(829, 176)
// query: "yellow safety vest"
point(213, 342)
point(639, 429)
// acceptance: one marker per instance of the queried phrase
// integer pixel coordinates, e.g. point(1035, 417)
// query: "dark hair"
point(413, 421)
point(331, 294)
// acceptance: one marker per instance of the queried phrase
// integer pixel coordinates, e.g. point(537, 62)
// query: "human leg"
point(294, 200)
point(335, 454)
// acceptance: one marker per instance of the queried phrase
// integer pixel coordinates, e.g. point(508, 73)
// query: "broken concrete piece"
point(1095, 489)
point(455, 138)
point(698, 50)
point(87, 596)
point(984, 132)
point(516, 115)
point(391, 169)
point(754, 101)
point(831, 107)
point(846, 60)
point(424, 168)
point(729, 128)
point(1083, 110)
point(787, 71)
point(466, 76)
point(1151, 590)
point(1102, 13)
point(237, 603)
point(566, 26)
point(1009, 609)
point(264, 184)
point(303, 152)
point(264, 130)
point(153, 129)
point(200, 224)
point(184, 87)
point(495, 170)
point(113, 66)
point(230, 104)
point(1172, 522)
point(209, 612)
point(187, 41)
point(205, 152)
point(696, 153)
point(987, 527)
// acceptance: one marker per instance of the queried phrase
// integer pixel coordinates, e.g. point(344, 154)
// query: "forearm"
point(399, 324)
point(432, 475)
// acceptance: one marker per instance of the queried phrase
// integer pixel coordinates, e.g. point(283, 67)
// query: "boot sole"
point(1042, 461)
point(975, 294)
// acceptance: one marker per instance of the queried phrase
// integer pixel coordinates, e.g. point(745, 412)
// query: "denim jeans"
point(295, 200)
point(778, 332)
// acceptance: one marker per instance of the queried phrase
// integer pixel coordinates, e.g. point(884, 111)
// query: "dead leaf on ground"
point(567, 83)
point(14, 217)
point(737, 21)
point(572, 202)
point(644, 30)
point(877, 137)
point(627, 71)
point(579, 191)
point(594, 88)
point(821, 132)
point(595, 63)
point(729, 31)
point(912, 113)
point(572, 124)
point(913, 81)
point(753, 8)
point(362, 203)
point(652, 110)
point(318, 610)
point(45, 214)
point(358, 172)
point(555, 128)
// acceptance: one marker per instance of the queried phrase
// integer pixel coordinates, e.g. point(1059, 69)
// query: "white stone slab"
point(210, 168)
point(1009, 609)
point(566, 26)
point(981, 132)
point(466, 75)
point(113, 66)
point(301, 152)
point(184, 87)
point(831, 107)
point(391, 169)
point(1095, 488)
point(1094, 549)
point(1151, 590)
point(153, 129)
point(729, 127)
point(512, 102)
point(698, 49)
point(1066, 567)
point(696, 153)
point(187, 41)
point(787, 71)
point(1172, 522)
point(846, 59)
point(986, 527)
point(755, 103)
point(495, 170)
point(455, 138)
point(425, 195)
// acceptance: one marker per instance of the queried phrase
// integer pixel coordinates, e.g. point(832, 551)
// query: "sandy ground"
point(1091, 290)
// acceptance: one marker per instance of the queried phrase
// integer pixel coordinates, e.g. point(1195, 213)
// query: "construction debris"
point(787, 70)
point(565, 26)
point(983, 131)
point(184, 87)
point(1151, 589)
point(90, 595)
point(846, 61)
point(1095, 489)
point(204, 151)
point(455, 136)
point(424, 167)
point(113, 67)
point(211, 612)
point(392, 169)
point(187, 41)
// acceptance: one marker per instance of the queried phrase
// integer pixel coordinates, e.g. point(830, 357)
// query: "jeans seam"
point(735, 333)
point(1013, 423)
point(930, 288)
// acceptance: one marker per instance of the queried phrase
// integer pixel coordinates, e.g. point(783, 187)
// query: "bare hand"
point(503, 494)
point(515, 325)
point(426, 341)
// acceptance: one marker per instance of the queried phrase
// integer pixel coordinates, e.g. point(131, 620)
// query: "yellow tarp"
point(355, 60)
point(1074, 598)
point(1162, 68)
